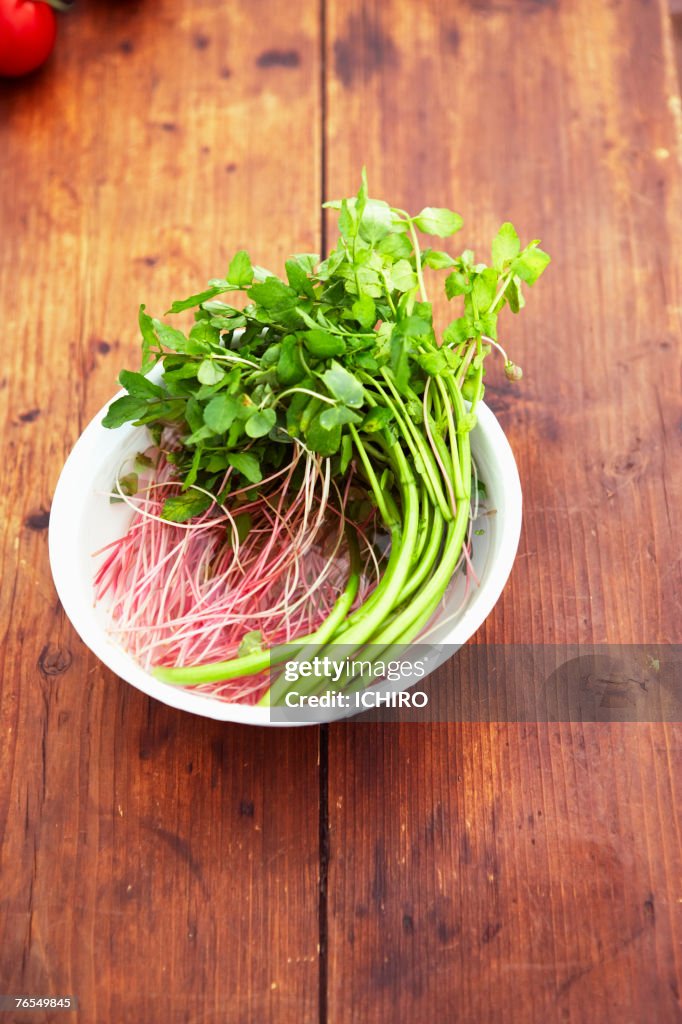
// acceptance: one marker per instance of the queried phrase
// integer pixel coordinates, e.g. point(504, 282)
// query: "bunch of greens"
point(342, 357)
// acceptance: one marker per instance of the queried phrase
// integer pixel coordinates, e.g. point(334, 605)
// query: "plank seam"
point(324, 872)
point(324, 730)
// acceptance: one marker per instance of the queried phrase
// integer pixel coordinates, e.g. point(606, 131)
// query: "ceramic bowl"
point(82, 520)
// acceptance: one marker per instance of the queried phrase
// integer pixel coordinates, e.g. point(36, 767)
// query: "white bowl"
point(82, 521)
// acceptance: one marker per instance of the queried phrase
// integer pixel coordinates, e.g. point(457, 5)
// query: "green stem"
point(324, 634)
point(216, 672)
point(371, 476)
point(388, 294)
point(417, 251)
point(407, 625)
point(464, 366)
point(478, 379)
point(417, 445)
point(418, 261)
point(424, 525)
point(428, 556)
point(402, 425)
point(463, 444)
point(500, 291)
point(388, 592)
point(299, 391)
point(355, 265)
point(460, 491)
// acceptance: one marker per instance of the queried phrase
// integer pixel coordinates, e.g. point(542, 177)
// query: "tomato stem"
point(60, 5)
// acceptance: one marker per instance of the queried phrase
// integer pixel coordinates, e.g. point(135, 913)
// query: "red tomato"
point(27, 34)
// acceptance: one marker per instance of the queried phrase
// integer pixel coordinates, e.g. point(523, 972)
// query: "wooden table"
point(164, 868)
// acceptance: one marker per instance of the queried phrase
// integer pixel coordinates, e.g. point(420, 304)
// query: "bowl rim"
point(62, 525)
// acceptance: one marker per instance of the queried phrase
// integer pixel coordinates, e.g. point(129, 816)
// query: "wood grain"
point(166, 868)
point(150, 862)
point(531, 872)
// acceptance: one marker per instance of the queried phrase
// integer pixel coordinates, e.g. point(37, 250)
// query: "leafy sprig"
point(333, 350)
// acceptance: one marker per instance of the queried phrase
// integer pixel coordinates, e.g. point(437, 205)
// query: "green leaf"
point(376, 419)
point(457, 331)
point(346, 452)
point(170, 337)
point(139, 386)
point(377, 221)
point(361, 201)
point(176, 369)
point(506, 245)
point(194, 414)
point(370, 283)
point(215, 306)
point(273, 295)
point(298, 278)
point(530, 264)
point(456, 283)
point(438, 221)
point(322, 440)
point(221, 412)
point(438, 260)
point(415, 327)
point(202, 434)
point(347, 220)
point(433, 363)
point(194, 468)
point(182, 507)
point(396, 246)
point(124, 410)
point(240, 272)
point(252, 643)
point(290, 368)
point(149, 339)
point(343, 385)
point(365, 311)
point(403, 276)
point(308, 320)
point(514, 295)
point(261, 423)
point(194, 300)
point(204, 334)
point(424, 310)
point(489, 325)
point(306, 260)
point(329, 266)
point(128, 484)
point(483, 289)
point(366, 361)
point(207, 391)
point(260, 273)
point(323, 344)
point(247, 465)
point(271, 356)
point(227, 323)
point(210, 372)
point(338, 415)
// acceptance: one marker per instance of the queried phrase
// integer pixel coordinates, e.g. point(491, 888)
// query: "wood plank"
point(476, 868)
point(150, 861)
